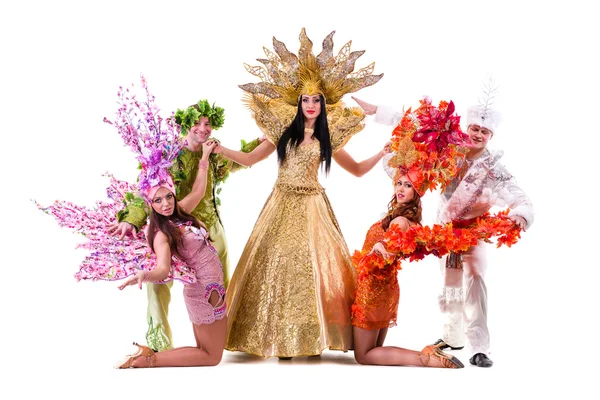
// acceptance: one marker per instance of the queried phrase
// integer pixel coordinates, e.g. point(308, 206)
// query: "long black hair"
point(294, 135)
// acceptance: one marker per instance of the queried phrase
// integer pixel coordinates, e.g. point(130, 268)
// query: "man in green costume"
point(197, 123)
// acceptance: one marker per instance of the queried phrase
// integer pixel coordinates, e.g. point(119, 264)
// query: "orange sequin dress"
point(377, 292)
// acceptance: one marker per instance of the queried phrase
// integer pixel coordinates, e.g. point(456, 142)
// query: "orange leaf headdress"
point(426, 146)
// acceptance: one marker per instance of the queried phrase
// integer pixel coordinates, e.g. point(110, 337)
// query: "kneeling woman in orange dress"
point(377, 294)
point(425, 150)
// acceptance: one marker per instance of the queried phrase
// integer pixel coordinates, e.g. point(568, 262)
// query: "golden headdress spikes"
point(287, 76)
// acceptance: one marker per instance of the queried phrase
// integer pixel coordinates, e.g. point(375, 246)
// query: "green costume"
point(184, 171)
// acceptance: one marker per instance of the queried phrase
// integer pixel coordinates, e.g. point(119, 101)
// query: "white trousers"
point(463, 302)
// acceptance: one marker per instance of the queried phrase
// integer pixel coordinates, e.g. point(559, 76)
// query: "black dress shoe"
point(440, 344)
point(285, 358)
point(481, 360)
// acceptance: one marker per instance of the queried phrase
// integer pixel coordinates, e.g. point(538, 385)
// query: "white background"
point(62, 63)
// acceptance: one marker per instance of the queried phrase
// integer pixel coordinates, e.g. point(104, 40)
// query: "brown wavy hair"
point(168, 226)
point(410, 210)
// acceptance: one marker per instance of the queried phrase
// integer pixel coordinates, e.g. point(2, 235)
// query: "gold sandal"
point(142, 351)
point(446, 360)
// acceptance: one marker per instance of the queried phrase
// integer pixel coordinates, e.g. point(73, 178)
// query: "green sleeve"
point(247, 147)
point(223, 166)
point(134, 213)
point(178, 173)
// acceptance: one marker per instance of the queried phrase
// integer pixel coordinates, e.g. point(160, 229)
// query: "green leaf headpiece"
point(190, 117)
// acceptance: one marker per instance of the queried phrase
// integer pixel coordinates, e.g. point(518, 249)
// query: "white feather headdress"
point(483, 114)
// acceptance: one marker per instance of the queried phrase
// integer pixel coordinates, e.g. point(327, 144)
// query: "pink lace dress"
point(202, 258)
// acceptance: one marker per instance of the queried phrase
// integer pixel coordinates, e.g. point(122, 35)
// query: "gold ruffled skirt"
point(292, 291)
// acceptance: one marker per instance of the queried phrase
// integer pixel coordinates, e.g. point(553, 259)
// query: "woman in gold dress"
point(292, 290)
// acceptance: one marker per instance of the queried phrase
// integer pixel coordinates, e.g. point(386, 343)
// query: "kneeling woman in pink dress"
point(175, 246)
point(172, 231)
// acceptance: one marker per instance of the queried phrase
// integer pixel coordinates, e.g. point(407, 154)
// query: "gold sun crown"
point(286, 76)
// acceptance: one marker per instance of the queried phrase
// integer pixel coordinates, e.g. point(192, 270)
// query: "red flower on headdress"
point(438, 127)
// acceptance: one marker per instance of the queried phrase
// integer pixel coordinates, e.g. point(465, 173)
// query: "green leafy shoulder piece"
point(135, 210)
point(224, 166)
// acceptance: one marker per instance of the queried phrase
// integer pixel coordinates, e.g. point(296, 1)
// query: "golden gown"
point(293, 288)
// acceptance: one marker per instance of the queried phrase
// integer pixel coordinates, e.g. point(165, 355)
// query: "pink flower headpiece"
point(155, 140)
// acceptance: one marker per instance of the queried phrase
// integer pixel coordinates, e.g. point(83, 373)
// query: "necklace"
point(311, 132)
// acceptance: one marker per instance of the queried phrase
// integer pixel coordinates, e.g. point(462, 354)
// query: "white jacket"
point(486, 183)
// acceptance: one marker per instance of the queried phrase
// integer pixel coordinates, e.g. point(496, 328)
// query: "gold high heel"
point(446, 360)
point(142, 351)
